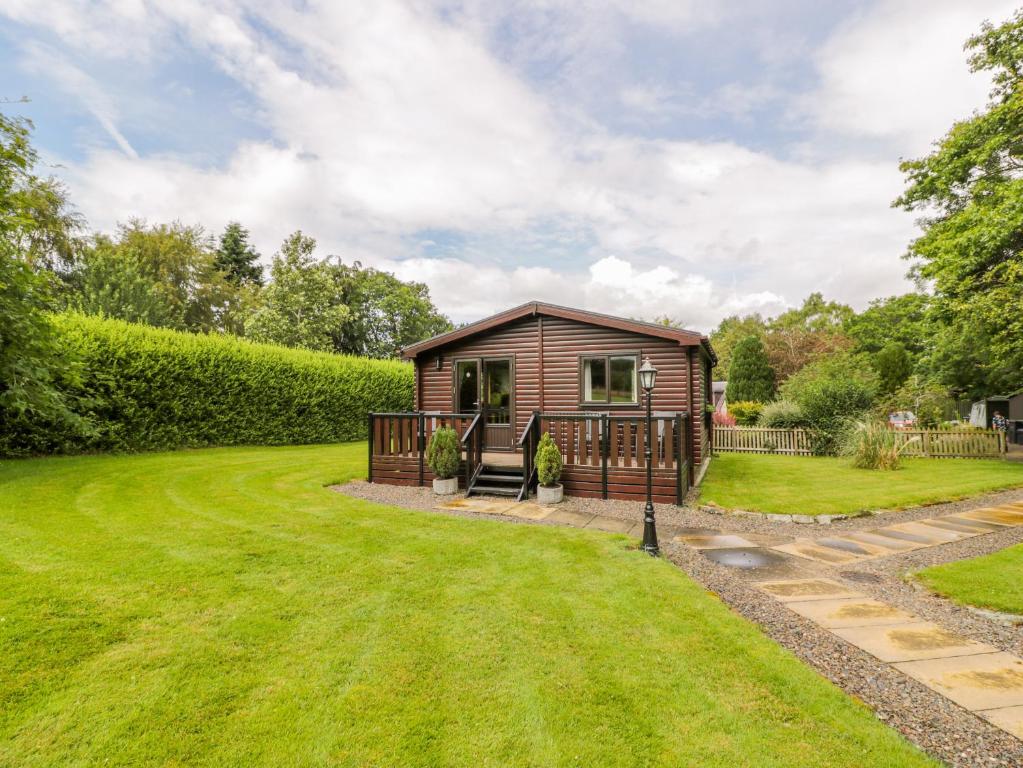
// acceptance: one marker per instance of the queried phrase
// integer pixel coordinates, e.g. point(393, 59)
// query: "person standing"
point(1001, 424)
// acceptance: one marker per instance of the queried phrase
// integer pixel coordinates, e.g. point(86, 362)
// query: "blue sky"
point(641, 158)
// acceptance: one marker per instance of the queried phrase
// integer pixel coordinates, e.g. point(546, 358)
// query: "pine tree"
point(750, 376)
point(893, 367)
point(236, 258)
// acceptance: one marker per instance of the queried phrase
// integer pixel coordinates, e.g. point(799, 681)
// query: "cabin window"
point(609, 379)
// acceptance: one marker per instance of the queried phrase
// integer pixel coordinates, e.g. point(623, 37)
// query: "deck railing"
point(602, 453)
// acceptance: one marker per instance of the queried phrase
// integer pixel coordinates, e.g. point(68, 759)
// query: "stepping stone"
point(885, 542)
point(912, 538)
point(530, 511)
point(1002, 517)
point(911, 641)
point(934, 536)
point(612, 524)
point(851, 612)
point(950, 525)
point(1007, 718)
point(808, 549)
point(759, 562)
point(480, 506)
point(978, 524)
point(715, 541)
point(801, 590)
point(565, 517)
point(846, 544)
point(985, 681)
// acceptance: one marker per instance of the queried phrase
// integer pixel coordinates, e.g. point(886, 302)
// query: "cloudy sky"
point(639, 157)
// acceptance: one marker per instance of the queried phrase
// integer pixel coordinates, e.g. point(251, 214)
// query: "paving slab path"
point(976, 676)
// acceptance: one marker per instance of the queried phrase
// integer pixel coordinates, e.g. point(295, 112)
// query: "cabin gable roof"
point(684, 337)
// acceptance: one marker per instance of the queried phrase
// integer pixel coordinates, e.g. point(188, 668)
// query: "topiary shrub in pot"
point(548, 471)
point(442, 456)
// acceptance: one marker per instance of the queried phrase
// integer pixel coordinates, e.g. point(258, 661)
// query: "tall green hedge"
point(145, 388)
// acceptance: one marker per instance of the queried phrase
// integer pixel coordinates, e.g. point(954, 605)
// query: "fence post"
point(605, 436)
point(421, 444)
point(369, 463)
point(677, 450)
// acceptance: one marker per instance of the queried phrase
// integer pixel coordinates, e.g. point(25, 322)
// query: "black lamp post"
point(647, 377)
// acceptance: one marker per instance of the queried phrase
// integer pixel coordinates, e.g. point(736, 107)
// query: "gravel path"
point(928, 719)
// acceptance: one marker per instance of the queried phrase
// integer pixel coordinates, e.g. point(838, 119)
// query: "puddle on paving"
point(924, 639)
point(979, 525)
point(715, 541)
point(1001, 679)
point(745, 559)
point(844, 545)
point(865, 611)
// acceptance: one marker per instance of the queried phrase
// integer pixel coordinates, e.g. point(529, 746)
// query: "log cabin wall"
point(563, 342)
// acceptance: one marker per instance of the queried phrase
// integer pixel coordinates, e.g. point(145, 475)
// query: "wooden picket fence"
point(927, 443)
point(951, 443)
point(791, 442)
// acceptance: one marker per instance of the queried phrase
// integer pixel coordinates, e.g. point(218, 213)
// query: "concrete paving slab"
point(933, 535)
point(1005, 517)
point(767, 539)
point(982, 682)
point(612, 524)
point(1007, 718)
point(911, 641)
point(980, 525)
point(759, 563)
point(801, 590)
point(848, 544)
point(480, 506)
point(961, 532)
point(565, 517)
point(951, 524)
point(851, 612)
point(530, 511)
point(714, 541)
point(808, 549)
point(885, 542)
point(912, 538)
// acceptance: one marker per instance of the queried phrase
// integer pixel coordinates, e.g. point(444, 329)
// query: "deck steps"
point(497, 480)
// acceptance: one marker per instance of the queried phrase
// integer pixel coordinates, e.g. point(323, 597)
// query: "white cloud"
point(389, 118)
point(898, 72)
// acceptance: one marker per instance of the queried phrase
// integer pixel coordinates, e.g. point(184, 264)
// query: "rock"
point(829, 519)
point(805, 519)
point(773, 518)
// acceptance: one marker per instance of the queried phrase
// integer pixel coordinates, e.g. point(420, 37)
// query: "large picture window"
point(609, 379)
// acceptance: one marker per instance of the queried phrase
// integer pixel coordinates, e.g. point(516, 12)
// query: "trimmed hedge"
point(146, 388)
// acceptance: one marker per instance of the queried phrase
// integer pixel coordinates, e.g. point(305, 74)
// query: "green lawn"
point(993, 581)
point(821, 485)
point(222, 607)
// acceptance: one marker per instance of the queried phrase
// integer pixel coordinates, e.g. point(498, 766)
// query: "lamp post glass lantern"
point(647, 378)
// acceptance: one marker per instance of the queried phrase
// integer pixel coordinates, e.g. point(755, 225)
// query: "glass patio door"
point(497, 403)
point(467, 386)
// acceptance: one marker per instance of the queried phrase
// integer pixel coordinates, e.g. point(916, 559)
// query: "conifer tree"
point(236, 258)
point(750, 376)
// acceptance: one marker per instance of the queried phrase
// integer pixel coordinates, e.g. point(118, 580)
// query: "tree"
point(31, 365)
point(893, 367)
point(385, 313)
point(837, 367)
point(730, 332)
point(970, 190)
point(164, 274)
point(901, 319)
point(799, 336)
point(303, 306)
point(238, 260)
point(750, 376)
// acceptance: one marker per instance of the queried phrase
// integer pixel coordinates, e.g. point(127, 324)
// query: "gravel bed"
point(926, 718)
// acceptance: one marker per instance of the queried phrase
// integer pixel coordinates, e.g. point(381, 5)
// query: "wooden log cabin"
point(503, 381)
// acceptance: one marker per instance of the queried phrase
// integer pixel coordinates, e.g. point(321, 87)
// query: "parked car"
point(902, 420)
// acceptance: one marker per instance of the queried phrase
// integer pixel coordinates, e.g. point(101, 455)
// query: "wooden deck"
point(602, 455)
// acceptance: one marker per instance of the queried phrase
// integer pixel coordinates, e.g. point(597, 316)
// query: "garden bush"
point(831, 407)
point(782, 414)
point(872, 445)
point(723, 419)
point(144, 388)
point(443, 453)
point(548, 461)
point(746, 412)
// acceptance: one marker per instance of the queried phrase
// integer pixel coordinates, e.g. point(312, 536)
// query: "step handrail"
point(472, 442)
point(528, 442)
